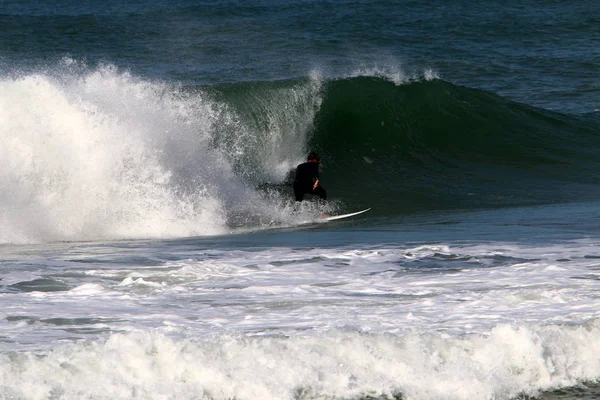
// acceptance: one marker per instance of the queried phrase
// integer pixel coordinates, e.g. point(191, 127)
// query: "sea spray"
point(95, 156)
point(268, 125)
point(100, 153)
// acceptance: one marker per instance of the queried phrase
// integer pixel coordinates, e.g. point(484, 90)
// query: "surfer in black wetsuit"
point(307, 179)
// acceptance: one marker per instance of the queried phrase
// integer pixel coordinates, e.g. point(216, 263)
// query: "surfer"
point(307, 179)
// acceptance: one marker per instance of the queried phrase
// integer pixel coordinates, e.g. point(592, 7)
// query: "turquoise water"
point(149, 244)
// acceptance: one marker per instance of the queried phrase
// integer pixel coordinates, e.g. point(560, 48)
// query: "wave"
point(432, 144)
point(400, 144)
point(506, 363)
point(97, 153)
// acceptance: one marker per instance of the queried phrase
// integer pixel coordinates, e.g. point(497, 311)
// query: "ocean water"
point(150, 246)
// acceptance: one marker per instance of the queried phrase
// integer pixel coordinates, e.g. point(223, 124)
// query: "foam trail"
point(101, 154)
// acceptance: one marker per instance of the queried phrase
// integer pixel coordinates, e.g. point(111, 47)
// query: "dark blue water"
point(537, 52)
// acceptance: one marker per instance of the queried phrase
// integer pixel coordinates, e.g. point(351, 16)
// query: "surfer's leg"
point(322, 193)
point(299, 193)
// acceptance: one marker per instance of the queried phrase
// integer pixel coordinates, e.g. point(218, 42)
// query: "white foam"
point(86, 159)
point(481, 320)
point(506, 362)
point(87, 289)
point(394, 72)
point(100, 154)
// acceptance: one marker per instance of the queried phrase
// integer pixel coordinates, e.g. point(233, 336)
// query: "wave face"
point(432, 145)
point(101, 154)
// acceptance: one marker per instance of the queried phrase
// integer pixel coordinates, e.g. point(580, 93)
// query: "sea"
point(151, 247)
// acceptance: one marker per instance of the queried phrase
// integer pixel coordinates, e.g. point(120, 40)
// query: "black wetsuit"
point(306, 176)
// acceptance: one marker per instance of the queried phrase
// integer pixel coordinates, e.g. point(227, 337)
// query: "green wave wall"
point(426, 144)
point(431, 144)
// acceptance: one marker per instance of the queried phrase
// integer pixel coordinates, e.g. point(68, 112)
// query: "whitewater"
point(93, 154)
point(230, 318)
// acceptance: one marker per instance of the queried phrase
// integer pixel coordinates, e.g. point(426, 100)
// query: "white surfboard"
point(342, 216)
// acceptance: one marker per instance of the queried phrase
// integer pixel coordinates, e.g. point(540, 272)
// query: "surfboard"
point(342, 216)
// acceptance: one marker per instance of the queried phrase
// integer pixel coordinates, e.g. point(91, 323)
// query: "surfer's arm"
point(316, 184)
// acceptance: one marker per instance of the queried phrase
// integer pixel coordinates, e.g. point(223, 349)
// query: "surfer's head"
point(314, 157)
